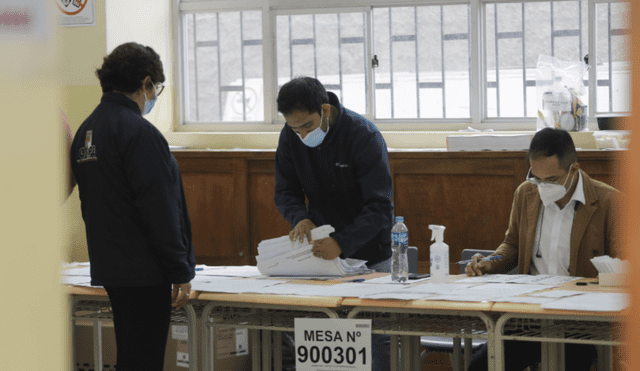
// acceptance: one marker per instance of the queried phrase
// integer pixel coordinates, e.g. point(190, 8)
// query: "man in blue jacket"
point(338, 160)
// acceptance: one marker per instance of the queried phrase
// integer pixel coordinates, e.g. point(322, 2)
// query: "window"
point(328, 46)
point(223, 51)
point(464, 62)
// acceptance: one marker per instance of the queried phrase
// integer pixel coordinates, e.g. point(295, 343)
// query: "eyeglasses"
point(537, 181)
point(159, 88)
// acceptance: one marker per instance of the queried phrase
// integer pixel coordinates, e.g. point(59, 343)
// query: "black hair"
point(551, 141)
point(128, 64)
point(302, 94)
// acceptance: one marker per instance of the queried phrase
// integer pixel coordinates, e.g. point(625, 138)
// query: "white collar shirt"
point(552, 244)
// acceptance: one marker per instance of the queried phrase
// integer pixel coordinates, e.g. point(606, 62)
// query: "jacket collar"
point(119, 98)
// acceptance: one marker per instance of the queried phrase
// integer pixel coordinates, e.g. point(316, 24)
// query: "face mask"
point(314, 138)
point(550, 193)
point(148, 104)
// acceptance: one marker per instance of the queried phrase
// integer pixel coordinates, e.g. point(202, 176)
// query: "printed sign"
point(333, 344)
point(76, 12)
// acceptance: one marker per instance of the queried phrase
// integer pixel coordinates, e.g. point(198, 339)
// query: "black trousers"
point(519, 355)
point(141, 317)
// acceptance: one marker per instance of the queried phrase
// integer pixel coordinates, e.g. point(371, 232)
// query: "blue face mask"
point(314, 138)
point(148, 104)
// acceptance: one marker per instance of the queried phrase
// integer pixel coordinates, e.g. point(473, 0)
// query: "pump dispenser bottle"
point(438, 255)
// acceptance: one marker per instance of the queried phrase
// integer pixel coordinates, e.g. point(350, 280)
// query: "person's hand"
point(180, 294)
point(326, 248)
point(476, 268)
point(303, 228)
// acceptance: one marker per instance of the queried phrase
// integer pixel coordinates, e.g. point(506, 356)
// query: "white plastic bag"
point(559, 85)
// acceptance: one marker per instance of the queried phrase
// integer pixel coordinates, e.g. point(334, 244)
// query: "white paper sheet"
point(387, 279)
point(520, 278)
point(231, 271)
point(82, 271)
point(239, 286)
point(439, 288)
point(523, 299)
point(592, 301)
point(76, 280)
point(556, 293)
point(398, 295)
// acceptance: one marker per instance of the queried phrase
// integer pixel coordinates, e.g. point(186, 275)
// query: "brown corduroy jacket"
point(594, 232)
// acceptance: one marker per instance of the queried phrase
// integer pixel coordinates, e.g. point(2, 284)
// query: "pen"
point(480, 260)
point(358, 280)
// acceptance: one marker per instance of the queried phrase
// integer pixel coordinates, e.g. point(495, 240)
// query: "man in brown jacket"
point(560, 219)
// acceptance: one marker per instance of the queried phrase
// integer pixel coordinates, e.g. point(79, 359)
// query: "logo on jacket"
point(341, 165)
point(88, 152)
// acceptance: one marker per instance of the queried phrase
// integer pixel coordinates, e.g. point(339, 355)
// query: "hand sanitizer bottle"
point(438, 255)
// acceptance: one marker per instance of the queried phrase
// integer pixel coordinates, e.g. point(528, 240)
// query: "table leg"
point(277, 351)
point(266, 350)
point(256, 349)
point(393, 353)
point(97, 345)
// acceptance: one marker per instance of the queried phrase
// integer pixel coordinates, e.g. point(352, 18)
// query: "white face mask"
point(315, 137)
point(550, 193)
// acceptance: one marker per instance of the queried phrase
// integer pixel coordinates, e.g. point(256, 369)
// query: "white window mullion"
point(270, 87)
point(593, 83)
point(478, 78)
point(369, 70)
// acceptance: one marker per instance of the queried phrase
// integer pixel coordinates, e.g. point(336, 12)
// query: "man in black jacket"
point(338, 160)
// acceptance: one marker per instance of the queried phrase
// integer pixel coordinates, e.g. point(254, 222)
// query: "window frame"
point(273, 122)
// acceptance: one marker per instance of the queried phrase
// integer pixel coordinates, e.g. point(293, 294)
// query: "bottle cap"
point(399, 219)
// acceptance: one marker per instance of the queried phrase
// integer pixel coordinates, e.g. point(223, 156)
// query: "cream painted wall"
point(147, 22)
point(83, 49)
point(33, 330)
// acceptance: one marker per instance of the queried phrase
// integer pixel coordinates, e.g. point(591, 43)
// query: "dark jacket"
point(346, 180)
point(133, 204)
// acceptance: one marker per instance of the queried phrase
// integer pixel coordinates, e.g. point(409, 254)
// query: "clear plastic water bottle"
point(399, 244)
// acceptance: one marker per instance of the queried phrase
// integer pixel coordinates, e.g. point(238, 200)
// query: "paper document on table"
point(283, 257)
point(592, 301)
point(235, 286)
point(541, 279)
point(82, 271)
point(76, 280)
point(230, 271)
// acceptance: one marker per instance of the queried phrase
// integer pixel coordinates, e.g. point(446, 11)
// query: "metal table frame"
point(406, 325)
point(97, 309)
point(255, 317)
point(553, 330)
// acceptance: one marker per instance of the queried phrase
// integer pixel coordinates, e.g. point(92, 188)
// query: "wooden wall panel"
point(265, 220)
point(230, 198)
point(210, 199)
point(473, 208)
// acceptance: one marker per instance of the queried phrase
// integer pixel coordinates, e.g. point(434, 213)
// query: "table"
point(556, 327)
point(92, 304)
point(266, 316)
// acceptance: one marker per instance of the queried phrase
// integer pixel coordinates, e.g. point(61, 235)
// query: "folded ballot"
point(282, 257)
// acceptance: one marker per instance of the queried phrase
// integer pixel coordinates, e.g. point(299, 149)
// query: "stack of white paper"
point(283, 257)
point(607, 264)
